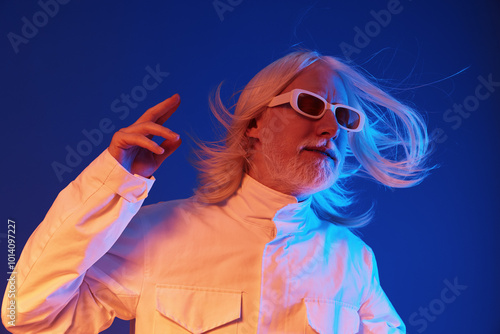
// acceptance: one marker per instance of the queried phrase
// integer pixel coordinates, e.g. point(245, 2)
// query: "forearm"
point(83, 223)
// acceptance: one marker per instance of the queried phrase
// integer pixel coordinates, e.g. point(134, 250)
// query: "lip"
point(323, 150)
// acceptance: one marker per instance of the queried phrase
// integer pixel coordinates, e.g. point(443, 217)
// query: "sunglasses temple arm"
point(280, 99)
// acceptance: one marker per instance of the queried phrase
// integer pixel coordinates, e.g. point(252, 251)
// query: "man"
point(260, 248)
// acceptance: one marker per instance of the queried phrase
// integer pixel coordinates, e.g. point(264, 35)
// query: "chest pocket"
point(331, 317)
point(187, 309)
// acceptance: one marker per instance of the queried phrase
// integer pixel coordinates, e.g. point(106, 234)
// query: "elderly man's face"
point(286, 153)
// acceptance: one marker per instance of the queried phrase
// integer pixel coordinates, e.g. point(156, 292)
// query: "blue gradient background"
point(66, 77)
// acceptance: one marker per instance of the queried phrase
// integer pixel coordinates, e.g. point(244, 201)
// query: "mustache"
point(324, 146)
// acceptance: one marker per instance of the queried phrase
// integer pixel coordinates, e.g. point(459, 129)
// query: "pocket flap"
point(331, 316)
point(198, 309)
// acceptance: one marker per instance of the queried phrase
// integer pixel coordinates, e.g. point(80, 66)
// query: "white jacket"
point(259, 263)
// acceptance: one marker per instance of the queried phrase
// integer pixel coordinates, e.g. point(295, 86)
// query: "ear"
point(253, 130)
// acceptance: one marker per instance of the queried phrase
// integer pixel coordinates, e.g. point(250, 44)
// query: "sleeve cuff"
point(112, 174)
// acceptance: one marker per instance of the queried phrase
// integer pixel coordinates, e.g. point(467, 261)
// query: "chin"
point(322, 179)
point(321, 184)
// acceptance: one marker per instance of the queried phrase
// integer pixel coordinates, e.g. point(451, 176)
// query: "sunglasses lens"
point(347, 118)
point(310, 104)
point(313, 106)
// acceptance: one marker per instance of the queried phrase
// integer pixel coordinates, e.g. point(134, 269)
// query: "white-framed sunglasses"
point(314, 106)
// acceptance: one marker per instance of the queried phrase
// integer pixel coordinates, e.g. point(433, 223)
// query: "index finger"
point(162, 111)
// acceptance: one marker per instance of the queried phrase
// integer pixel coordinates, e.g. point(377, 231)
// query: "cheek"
point(286, 127)
point(341, 142)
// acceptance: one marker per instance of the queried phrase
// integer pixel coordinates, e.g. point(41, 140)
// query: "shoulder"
point(174, 212)
point(354, 248)
point(164, 210)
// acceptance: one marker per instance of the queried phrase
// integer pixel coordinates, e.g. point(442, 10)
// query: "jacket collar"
point(261, 205)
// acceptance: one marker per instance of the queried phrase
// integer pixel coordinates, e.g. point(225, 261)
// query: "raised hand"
point(132, 146)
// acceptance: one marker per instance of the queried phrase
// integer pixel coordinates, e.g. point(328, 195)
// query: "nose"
point(327, 126)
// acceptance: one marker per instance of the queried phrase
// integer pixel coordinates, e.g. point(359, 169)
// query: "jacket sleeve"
point(68, 278)
point(377, 314)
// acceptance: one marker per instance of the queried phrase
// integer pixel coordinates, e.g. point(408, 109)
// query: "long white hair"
point(392, 148)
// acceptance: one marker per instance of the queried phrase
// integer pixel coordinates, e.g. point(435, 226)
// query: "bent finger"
point(150, 129)
point(128, 140)
point(169, 147)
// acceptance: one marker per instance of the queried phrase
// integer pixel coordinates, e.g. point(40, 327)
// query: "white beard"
point(303, 174)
